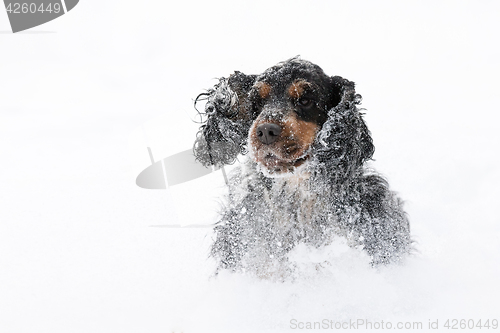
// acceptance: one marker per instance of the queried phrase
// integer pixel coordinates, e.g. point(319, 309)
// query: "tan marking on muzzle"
point(304, 132)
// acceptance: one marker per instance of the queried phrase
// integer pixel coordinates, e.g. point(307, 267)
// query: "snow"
point(78, 253)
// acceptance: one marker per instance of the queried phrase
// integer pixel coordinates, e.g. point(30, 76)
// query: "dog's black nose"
point(268, 133)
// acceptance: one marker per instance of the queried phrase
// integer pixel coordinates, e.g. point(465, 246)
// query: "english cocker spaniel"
point(305, 178)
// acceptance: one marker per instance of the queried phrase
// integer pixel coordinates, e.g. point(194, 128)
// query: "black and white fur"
point(333, 194)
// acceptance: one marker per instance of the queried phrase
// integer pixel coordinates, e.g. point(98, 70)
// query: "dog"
point(305, 179)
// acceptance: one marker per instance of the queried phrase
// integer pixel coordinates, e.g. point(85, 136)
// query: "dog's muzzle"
point(268, 133)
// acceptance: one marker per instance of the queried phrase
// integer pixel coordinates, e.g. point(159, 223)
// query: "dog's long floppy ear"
point(344, 137)
point(226, 122)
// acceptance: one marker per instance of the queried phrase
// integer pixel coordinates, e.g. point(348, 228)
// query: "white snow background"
point(77, 250)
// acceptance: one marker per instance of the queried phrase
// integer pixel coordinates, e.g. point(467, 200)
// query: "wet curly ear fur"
point(224, 132)
point(344, 138)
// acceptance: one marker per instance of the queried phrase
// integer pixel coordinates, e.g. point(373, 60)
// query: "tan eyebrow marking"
point(297, 88)
point(263, 88)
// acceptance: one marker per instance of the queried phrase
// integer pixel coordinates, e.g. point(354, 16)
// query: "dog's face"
point(284, 117)
point(289, 103)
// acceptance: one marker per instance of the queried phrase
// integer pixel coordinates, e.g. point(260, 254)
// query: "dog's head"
point(290, 114)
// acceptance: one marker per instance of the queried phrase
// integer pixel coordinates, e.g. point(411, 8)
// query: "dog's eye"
point(304, 101)
point(255, 108)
